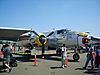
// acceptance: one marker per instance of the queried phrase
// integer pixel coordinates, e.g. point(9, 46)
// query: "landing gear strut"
point(43, 50)
point(27, 54)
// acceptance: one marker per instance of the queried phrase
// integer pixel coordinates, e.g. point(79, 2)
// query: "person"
point(6, 56)
point(89, 57)
point(63, 56)
point(98, 56)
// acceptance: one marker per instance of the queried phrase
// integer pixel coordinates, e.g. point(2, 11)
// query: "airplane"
point(57, 38)
point(53, 39)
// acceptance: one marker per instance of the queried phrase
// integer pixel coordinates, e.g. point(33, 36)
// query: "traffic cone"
point(35, 60)
point(66, 60)
point(94, 55)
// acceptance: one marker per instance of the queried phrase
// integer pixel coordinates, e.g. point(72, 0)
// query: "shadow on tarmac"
point(46, 57)
point(89, 71)
point(55, 67)
point(1, 69)
point(49, 57)
point(22, 59)
point(58, 67)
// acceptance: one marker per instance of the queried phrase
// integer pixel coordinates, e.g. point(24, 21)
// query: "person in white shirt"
point(63, 60)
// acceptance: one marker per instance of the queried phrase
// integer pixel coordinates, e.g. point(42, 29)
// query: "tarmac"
point(50, 65)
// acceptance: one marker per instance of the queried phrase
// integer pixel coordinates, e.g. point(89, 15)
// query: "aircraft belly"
point(24, 42)
point(52, 43)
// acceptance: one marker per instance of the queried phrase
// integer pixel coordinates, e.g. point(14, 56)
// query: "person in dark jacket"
point(89, 57)
point(6, 49)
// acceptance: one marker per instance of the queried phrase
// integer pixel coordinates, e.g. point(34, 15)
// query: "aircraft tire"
point(27, 54)
point(58, 51)
point(76, 57)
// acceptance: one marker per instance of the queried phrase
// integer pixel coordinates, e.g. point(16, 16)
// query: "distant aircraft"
point(53, 39)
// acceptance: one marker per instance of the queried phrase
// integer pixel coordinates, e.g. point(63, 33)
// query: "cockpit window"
point(61, 31)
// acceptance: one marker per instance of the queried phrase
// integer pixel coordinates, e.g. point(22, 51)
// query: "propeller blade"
point(35, 33)
point(50, 34)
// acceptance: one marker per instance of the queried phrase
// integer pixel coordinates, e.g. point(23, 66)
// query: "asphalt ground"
point(50, 65)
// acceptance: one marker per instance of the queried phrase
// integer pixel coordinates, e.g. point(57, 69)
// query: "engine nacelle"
point(41, 39)
point(85, 40)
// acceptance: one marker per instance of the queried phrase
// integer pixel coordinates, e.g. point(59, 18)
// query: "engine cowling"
point(85, 40)
point(41, 39)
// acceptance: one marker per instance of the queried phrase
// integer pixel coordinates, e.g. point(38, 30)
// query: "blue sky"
point(44, 15)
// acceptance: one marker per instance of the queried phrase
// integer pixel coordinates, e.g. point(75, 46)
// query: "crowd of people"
point(92, 55)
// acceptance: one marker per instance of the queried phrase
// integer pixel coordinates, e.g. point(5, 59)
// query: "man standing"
point(89, 57)
point(6, 55)
point(63, 56)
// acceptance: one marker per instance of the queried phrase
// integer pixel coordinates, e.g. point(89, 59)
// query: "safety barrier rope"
point(37, 53)
point(30, 53)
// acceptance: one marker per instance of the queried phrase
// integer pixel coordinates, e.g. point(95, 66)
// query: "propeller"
point(50, 34)
point(35, 33)
point(41, 40)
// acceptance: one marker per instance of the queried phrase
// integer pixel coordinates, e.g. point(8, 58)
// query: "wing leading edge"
point(12, 34)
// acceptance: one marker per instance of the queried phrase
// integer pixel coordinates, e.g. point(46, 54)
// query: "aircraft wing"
point(95, 38)
point(12, 34)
